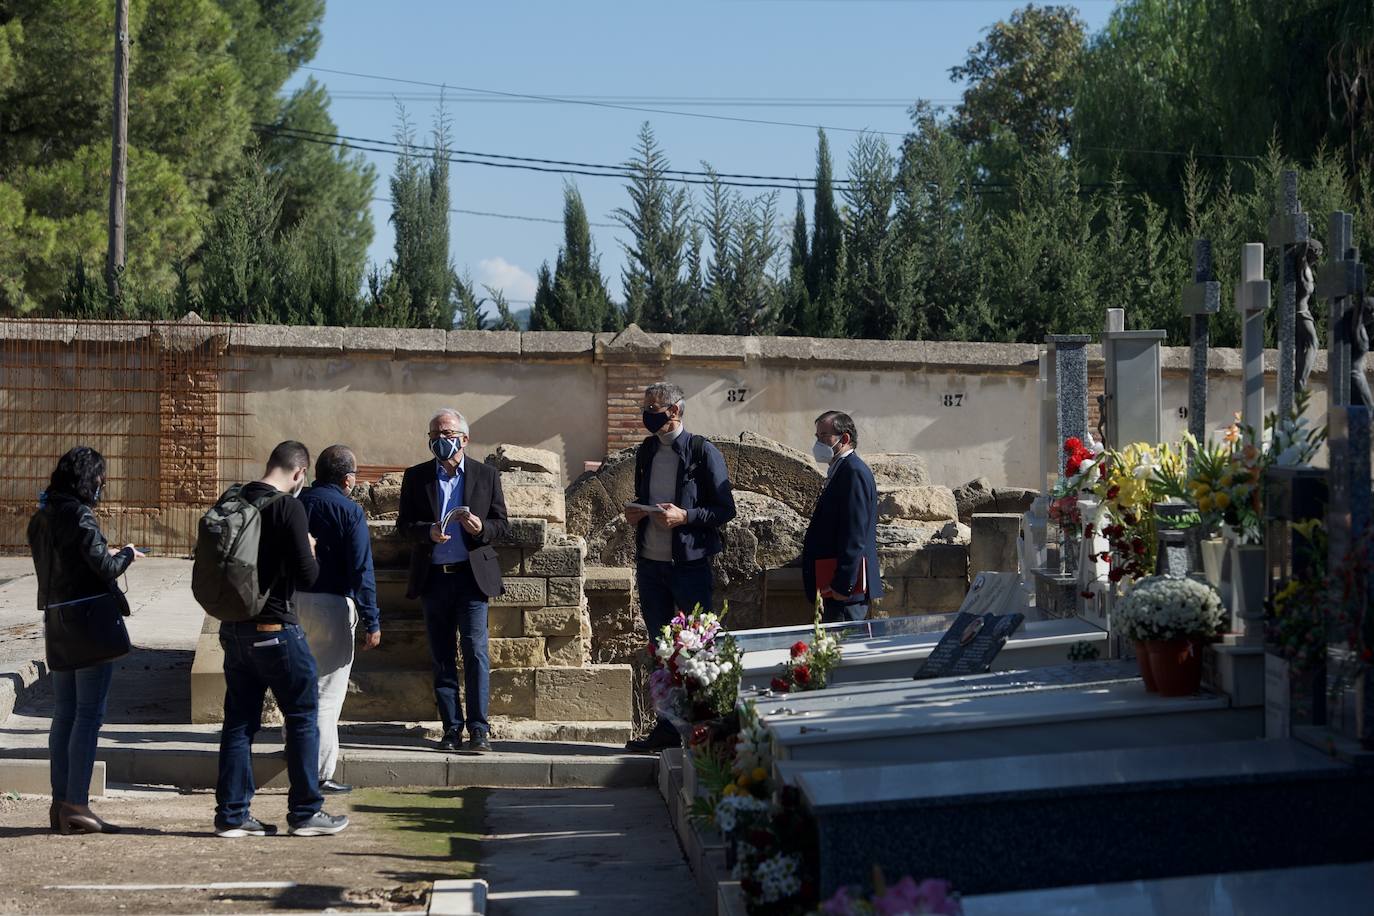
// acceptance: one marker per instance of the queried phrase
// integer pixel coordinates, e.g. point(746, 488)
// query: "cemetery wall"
point(969, 409)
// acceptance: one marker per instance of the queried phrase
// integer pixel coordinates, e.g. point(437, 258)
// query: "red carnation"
point(1073, 444)
point(802, 674)
point(799, 649)
point(1071, 466)
point(780, 685)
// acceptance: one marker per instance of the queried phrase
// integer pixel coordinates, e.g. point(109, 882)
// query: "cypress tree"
point(655, 293)
point(825, 265)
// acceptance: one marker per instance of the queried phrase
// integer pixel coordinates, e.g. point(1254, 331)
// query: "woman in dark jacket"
point(73, 562)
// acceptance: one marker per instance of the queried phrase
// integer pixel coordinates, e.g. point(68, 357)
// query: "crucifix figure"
point(1308, 254)
point(1341, 281)
point(1201, 300)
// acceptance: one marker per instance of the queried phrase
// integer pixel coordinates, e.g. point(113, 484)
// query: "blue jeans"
point(80, 708)
point(664, 589)
point(254, 662)
point(456, 619)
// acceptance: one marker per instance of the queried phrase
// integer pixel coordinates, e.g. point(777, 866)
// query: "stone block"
point(207, 680)
point(31, 777)
point(894, 594)
point(390, 694)
point(623, 771)
point(599, 693)
point(919, 504)
point(513, 479)
point(389, 549)
point(538, 501)
point(525, 532)
point(1014, 499)
point(901, 561)
point(511, 560)
point(566, 651)
point(565, 590)
point(993, 543)
point(505, 622)
point(555, 561)
point(895, 470)
point(516, 652)
point(948, 561)
point(523, 458)
point(512, 692)
point(378, 771)
point(935, 594)
point(975, 496)
point(553, 621)
point(608, 579)
point(521, 591)
point(588, 506)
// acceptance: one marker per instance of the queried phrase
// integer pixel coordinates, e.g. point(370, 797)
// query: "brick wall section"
point(625, 384)
point(188, 433)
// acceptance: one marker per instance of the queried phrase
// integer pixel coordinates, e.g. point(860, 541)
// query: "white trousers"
point(329, 622)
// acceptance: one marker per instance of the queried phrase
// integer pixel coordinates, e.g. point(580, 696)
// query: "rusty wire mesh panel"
point(162, 401)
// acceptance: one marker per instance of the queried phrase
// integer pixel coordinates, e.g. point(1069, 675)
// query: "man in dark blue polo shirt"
point(345, 591)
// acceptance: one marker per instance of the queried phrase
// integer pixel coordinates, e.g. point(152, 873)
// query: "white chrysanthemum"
point(778, 877)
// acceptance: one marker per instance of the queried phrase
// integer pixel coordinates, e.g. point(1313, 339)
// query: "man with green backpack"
point(253, 551)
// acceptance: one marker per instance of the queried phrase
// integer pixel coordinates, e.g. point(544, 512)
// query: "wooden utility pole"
point(114, 261)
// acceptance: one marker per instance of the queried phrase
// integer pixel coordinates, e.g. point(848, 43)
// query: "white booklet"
point(457, 512)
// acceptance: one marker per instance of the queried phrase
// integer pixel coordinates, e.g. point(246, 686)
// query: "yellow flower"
point(742, 780)
point(1222, 500)
point(728, 790)
point(759, 774)
point(1204, 503)
point(1225, 480)
point(1201, 488)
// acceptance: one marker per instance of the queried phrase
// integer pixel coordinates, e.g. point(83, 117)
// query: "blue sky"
point(870, 57)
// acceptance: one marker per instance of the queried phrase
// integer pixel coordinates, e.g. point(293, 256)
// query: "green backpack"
point(224, 571)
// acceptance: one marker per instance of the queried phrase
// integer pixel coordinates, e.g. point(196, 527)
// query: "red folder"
point(825, 574)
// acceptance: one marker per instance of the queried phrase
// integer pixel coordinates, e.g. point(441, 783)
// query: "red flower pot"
point(1142, 658)
point(1176, 665)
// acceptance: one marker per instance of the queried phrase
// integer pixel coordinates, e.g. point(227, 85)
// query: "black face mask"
point(655, 420)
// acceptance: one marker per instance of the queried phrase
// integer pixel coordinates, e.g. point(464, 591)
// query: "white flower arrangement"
point(735, 808)
point(1164, 607)
point(696, 660)
point(778, 877)
point(753, 750)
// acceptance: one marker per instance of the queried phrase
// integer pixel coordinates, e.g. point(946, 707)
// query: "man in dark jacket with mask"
point(840, 551)
point(452, 512)
point(682, 498)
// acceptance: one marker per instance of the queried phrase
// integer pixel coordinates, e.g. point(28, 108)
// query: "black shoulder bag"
point(86, 631)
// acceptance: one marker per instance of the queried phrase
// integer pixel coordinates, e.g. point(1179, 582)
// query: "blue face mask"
point(444, 449)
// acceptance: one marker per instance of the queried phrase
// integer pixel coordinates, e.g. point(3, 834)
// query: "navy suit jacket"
point(844, 526)
point(420, 510)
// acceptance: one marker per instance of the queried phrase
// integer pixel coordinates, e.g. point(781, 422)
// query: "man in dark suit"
point(454, 570)
point(844, 524)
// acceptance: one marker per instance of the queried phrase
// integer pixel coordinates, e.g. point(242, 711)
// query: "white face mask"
point(822, 452)
point(296, 493)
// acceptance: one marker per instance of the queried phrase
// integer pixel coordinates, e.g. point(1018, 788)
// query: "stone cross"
point(1252, 298)
point(1288, 227)
point(1201, 299)
point(1341, 281)
point(1071, 387)
point(1349, 514)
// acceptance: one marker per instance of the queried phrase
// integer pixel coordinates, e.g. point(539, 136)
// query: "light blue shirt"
point(454, 550)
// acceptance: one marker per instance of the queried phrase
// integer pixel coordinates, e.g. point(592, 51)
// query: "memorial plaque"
point(970, 645)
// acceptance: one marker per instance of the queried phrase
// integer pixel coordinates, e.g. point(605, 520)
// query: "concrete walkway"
point(584, 851)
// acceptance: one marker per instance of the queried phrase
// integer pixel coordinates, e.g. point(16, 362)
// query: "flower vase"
point(1176, 665)
point(1142, 659)
point(1070, 550)
point(1249, 588)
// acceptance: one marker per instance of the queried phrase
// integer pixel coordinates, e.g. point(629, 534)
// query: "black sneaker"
point(452, 740)
point(251, 826)
point(330, 787)
point(320, 824)
point(479, 743)
point(661, 738)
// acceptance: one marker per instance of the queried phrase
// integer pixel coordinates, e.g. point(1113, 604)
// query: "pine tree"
point(503, 320)
point(544, 312)
point(796, 317)
point(467, 308)
point(717, 225)
point(420, 209)
point(754, 294)
point(655, 293)
point(825, 265)
point(239, 256)
point(581, 301)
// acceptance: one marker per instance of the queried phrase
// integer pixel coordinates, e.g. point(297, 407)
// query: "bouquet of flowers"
point(931, 897)
point(1225, 485)
point(1128, 490)
point(698, 669)
point(753, 750)
point(1162, 607)
point(810, 665)
point(1081, 470)
point(778, 859)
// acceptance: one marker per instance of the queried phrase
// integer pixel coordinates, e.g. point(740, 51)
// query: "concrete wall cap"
point(556, 343)
point(482, 343)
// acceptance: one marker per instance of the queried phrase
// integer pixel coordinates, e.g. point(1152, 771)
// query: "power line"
point(618, 169)
point(460, 160)
point(573, 101)
point(672, 101)
point(513, 216)
point(1165, 152)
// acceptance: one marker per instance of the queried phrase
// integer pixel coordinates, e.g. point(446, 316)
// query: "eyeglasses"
point(444, 434)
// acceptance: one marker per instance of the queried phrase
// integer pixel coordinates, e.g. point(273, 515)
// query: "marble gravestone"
point(1201, 300)
point(1288, 229)
point(1349, 518)
point(969, 646)
point(1341, 281)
